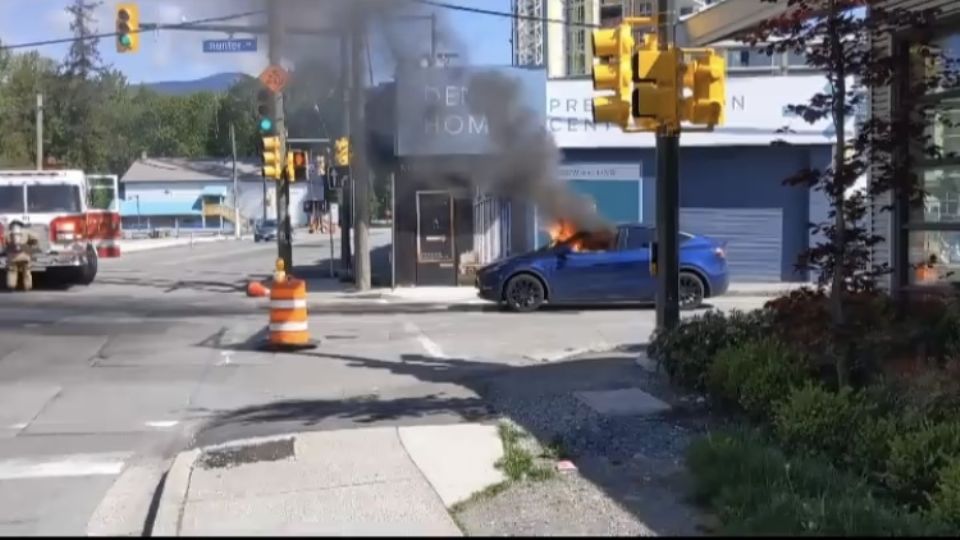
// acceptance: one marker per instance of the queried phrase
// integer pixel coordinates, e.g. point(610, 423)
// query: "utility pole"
point(284, 230)
point(236, 192)
point(358, 165)
point(668, 197)
point(40, 132)
point(343, 196)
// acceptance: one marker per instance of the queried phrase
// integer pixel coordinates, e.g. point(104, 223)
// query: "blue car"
point(560, 275)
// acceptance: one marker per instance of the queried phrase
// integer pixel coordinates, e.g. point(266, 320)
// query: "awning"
point(130, 208)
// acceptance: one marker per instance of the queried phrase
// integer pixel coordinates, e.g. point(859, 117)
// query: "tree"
point(831, 35)
point(83, 60)
point(79, 140)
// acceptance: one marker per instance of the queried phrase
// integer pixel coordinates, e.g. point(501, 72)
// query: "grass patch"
point(518, 462)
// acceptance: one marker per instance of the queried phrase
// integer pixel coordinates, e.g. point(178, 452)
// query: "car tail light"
point(66, 229)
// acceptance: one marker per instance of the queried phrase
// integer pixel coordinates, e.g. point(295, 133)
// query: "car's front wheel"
point(692, 291)
point(524, 293)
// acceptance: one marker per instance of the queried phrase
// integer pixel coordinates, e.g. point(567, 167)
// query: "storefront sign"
point(756, 112)
point(601, 171)
point(433, 113)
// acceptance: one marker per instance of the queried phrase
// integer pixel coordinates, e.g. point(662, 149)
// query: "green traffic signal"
point(266, 124)
point(125, 40)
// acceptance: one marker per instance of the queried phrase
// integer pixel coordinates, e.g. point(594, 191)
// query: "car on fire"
point(578, 270)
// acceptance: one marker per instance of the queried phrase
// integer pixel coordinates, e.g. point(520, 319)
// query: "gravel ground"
point(545, 508)
point(629, 467)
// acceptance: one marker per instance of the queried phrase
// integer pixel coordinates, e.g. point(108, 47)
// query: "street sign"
point(230, 45)
point(275, 78)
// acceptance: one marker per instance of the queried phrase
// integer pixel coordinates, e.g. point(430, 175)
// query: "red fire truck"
point(53, 206)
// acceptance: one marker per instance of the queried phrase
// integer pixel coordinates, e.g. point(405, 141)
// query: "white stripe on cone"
point(288, 304)
point(288, 327)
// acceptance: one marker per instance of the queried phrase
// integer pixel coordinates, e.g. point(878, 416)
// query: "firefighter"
point(19, 247)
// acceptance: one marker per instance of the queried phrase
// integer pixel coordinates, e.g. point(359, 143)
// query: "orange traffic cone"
point(257, 290)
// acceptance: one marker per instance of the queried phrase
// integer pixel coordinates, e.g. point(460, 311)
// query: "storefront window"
point(934, 255)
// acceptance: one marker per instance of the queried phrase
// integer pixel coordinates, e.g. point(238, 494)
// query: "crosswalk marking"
point(107, 463)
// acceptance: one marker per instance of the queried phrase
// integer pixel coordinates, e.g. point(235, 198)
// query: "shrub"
point(754, 374)
point(687, 351)
point(869, 447)
point(802, 319)
point(756, 490)
point(946, 501)
point(816, 421)
point(917, 457)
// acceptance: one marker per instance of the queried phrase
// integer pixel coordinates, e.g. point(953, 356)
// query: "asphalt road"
point(159, 355)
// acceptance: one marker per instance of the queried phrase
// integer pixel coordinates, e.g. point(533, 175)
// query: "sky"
point(178, 55)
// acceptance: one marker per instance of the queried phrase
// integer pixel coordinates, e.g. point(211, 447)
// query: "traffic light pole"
point(668, 199)
point(346, 259)
point(284, 229)
point(359, 174)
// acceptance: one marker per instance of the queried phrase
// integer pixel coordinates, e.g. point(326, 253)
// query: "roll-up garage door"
point(754, 238)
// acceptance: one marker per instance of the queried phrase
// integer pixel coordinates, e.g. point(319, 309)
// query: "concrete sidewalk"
point(146, 244)
point(382, 481)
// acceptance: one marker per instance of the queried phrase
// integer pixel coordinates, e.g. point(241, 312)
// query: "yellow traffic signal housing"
point(271, 158)
point(612, 47)
point(656, 94)
point(288, 171)
point(128, 28)
point(705, 77)
point(342, 152)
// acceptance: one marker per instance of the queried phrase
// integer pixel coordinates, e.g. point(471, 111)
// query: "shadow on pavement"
point(634, 459)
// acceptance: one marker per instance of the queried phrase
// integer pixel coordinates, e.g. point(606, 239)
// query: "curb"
point(173, 496)
point(126, 508)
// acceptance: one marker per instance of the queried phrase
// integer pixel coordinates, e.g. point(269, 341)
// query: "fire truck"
point(53, 206)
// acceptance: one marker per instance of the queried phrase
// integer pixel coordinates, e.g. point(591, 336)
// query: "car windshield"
point(11, 199)
point(268, 224)
point(53, 198)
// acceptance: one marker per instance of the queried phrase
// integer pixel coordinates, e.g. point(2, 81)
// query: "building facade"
point(174, 194)
point(563, 44)
point(928, 233)
point(731, 179)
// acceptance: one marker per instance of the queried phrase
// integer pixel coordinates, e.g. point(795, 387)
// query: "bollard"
point(288, 313)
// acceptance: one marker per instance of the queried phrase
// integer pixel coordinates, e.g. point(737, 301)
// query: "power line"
point(506, 14)
point(172, 26)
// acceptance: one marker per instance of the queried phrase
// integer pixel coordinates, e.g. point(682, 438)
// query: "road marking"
point(108, 463)
point(21, 425)
point(431, 347)
point(161, 423)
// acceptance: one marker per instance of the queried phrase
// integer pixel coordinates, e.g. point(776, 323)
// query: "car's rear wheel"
point(692, 291)
point(524, 293)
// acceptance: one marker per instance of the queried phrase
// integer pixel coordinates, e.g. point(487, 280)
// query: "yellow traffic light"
point(705, 77)
point(271, 158)
point(288, 171)
point(656, 95)
point(128, 28)
point(612, 48)
point(342, 152)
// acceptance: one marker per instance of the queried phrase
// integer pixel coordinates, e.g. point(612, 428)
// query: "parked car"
point(265, 230)
point(559, 274)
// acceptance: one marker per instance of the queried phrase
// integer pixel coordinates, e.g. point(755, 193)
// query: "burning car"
point(605, 266)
